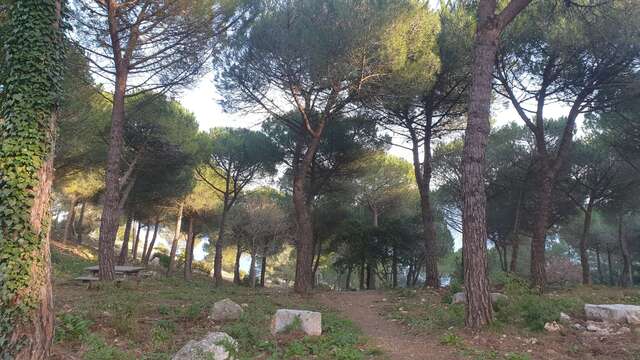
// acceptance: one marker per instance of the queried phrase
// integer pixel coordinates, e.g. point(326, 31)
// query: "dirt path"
point(363, 308)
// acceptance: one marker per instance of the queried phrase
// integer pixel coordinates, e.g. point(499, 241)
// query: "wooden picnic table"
point(121, 270)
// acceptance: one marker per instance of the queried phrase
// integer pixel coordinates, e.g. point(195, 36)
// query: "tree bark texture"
point(188, 260)
point(136, 242)
point(236, 267)
point(83, 206)
point(584, 256)
point(147, 257)
point(71, 218)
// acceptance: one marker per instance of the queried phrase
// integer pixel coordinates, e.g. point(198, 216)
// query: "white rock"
point(552, 326)
point(310, 321)
point(213, 346)
point(565, 318)
point(225, 309)
point(459, 298)
point(623, 330)
point(614, 312)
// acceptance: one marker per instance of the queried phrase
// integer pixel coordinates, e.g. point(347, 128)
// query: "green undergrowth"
point(154, 318)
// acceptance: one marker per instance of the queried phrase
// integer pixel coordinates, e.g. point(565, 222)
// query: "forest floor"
point(155, 317)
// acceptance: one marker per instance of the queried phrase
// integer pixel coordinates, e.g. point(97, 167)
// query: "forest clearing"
point(319, 179)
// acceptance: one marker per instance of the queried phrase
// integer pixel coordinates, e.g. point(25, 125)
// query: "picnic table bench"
point(124, 270)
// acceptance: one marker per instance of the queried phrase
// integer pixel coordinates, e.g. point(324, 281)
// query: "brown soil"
point(364, 308)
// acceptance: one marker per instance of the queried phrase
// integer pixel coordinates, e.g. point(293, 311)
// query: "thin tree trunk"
point(599, 265)
point(362, 271)
point(584, 256)
point(610, 266)
point(217, 261)
point(316, 262)
point(515, 237)
point(136, 242)
point(252, 267)
point(174, 243)
point(122, 258)
point(236, 267)
point(409, 276)
point(189, 251)
point(146, 242)
point(371, 277)
point(625, 277)
point(71, 218)
point(153, 242)
point(348, 280)
point(80, 222)
point(394, 267)
point(263, 269)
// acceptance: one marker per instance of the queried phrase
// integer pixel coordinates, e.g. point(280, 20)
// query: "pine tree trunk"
point(252, 268)
point(362, 271)
point(110, 207)
point(584, 256)
point(174, 243)
point(217, 261)
point(316, 262)
point(71, 218)
point(409, 276)
point(625, 277)
point(515, 235)
point(478, 311)
point(599, 265)
point(80, 222)
point(122, 258)
point(542, 215)
point(394, 267)
point(348, 280)
point(610, 266)
point(152, 244)
point(236, 267)
point(136, 242)
point(146, 243)
point(263, 269)
point(189, 252)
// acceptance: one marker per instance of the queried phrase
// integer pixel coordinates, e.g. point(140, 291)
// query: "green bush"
point(97, 349)
point(70, 327)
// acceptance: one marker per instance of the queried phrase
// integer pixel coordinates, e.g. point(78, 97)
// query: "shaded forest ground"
point(155, 317)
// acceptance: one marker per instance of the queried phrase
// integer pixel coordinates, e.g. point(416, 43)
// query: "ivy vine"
point(33, 51)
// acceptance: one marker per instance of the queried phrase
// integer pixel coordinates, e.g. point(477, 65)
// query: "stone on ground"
point(310, 321)
point(620, 313)
point(225, 309)
point(552, 327)
point(213, 346)
point(459, 298)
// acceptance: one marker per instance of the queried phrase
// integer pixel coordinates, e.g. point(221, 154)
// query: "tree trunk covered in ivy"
point(27, 137)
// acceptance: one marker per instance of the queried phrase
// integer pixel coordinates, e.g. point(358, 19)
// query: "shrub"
point(70, 327)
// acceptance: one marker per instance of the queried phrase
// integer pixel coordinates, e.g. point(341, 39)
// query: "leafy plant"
point(71, 327)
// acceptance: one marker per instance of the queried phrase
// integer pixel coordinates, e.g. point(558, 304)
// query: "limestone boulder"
point(619, 313)
point(310, 321)
point(224, 310)
point(216, 346)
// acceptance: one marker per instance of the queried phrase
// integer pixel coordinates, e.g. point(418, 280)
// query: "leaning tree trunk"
point(174, 243)
point(146, 242)
point(478, 311)
point(83, 206)
point(584, 256)
point(136, 242)
point(626, 279)
point(188, 260)
point(71, 218)
point(147, 257)
point(27, 139)
point(122, 258)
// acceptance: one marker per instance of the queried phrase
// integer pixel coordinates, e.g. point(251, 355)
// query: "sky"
point(202, 100)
